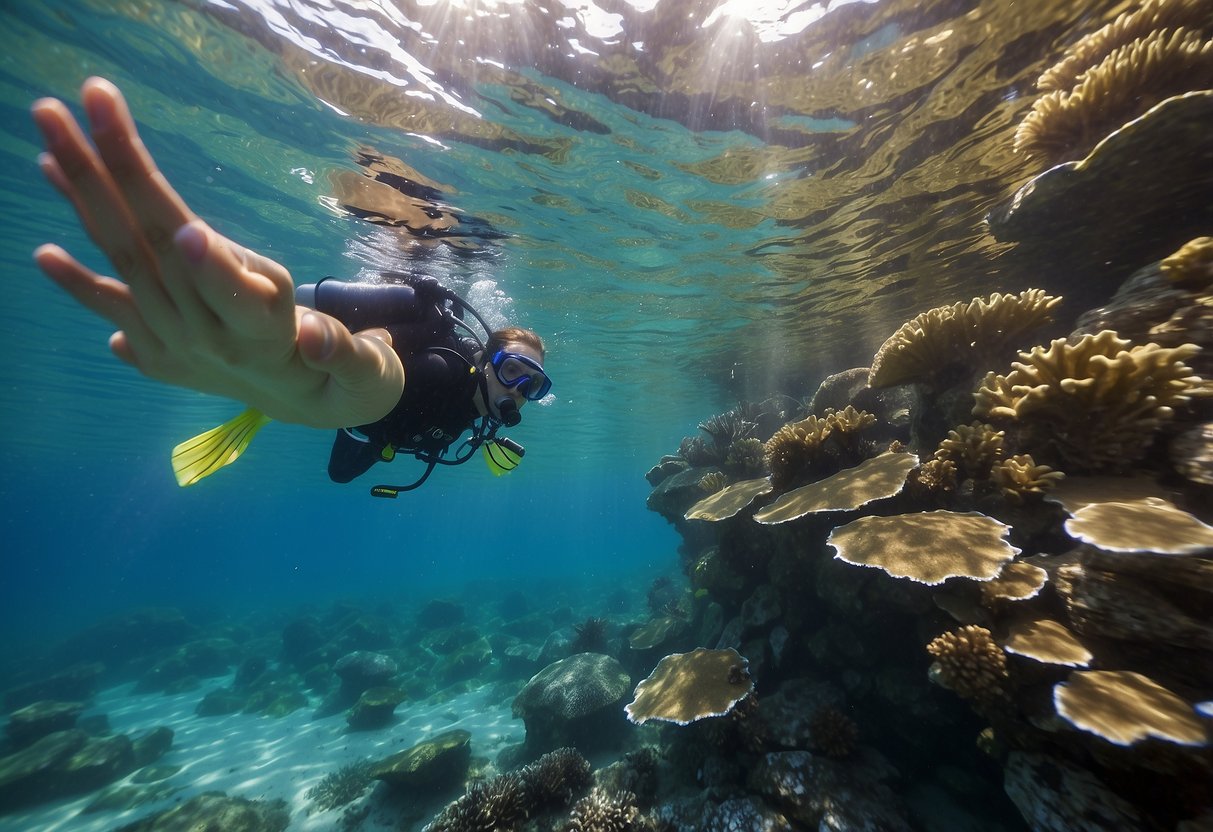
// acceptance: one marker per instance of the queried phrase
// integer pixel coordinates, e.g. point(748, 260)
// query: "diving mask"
point(522, 373)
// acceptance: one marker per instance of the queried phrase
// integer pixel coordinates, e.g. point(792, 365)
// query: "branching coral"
point(557, 776)
point(1117, 74)
point(712, 482)
point(968, 662)
point(823, 444)
point(343, 786)
point(943, 343)
point(1191, 265)
point(793, 447)
point(1020, 477)
point(746, 455)
point(973, 449)
point(599, 811)
point(498, 804)
point(1128, 27)
point(937, 476)
point(833, 733)
point(1092, 404)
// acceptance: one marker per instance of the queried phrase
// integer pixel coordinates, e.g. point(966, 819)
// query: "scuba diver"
point(194, 309)
point(454, 382)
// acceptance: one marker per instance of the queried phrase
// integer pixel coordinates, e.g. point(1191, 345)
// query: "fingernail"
point(100, 112)
point(48, 125)
point(191, 239)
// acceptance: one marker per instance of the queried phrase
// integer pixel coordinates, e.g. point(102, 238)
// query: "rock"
point(33, 722)
point(435, 765)
point(1191, 452)
point(826, 794)
point(786, 716)
point(668, 466)
point(374, 708)
point(136, 637)
point(124, 798)
point(676, 494)
point(76, 684)
point(61, 764)
point(220, 702)
point(576, 701)
point(760, 609)
point(1055, 796)
point(301, 639)
point(150, 747)
point(216, 811)
point(440, 613)
point(465, 663)
point(838, 390)
point(204, 658)
point(358, 671)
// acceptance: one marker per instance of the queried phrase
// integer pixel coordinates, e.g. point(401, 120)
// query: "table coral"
point(874, 479)
point(1124, 708)
point(1093, 403)
point(686, 687)
point(729, 500)
point(927, 547)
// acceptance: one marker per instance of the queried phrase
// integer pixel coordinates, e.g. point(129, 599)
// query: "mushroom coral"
point(729, 500)
point(969, 663)
point(1124, 708)
point(874, 479)
point(1093, 403)
point(927, 348)
point(1149, 525)
point(1123, 78)
point(1047, 642)
point(928, 547)
point(685, 687)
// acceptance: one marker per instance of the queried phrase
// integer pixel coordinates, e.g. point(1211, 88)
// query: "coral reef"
point(1131, 79)
point(852, 488)
point(970, 663)
point(1124, 708)
point(1021, 478)
point(928, 547)
point(1191, 264)
point(1149, 525)
point(948, 342)
point(341, 787)
point(834, 733)
point(1093, 404)
point(972, 449)
point(729, 501)
point(599, 811)
point(685, 687)
point(817, 445)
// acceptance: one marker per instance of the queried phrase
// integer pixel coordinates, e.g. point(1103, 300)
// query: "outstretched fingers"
point(366, 377)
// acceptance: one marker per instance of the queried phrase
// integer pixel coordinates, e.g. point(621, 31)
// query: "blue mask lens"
point(521, 372)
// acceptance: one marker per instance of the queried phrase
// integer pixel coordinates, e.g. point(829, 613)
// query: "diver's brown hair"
point(516, 335)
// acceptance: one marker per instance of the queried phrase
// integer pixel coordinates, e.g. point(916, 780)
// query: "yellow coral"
point(1094, 403)
point(973, 449)
point(685, 687)
point(970, 663)
point(792, 448)
point(1130, 80)
point(938, 476)
point(1020, 476)
point(1128, 27)
point(927, 348)
point(1192, 264)
point(712, 482)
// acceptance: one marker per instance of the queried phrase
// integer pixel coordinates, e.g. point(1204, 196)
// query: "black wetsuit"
point(436, 406)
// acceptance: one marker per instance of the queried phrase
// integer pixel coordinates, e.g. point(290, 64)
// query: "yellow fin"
point(197, 458)
point(500, 458)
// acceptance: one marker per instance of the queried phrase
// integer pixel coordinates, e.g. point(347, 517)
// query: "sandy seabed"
point(264, 758)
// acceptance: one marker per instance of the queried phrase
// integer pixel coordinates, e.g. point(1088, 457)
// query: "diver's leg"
point(352, 456)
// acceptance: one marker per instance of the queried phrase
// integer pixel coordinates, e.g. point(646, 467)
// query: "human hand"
point(193, 308)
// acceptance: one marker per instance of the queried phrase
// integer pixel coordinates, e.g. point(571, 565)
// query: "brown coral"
point(929, 547)
point(874, 479)
point(726, 502)
point(968, 662)
point(685, 687)
point(928, 348)
point(1131, 79)
point(1124, 708)
point(1149, 525)
point(833, 733)
point(793, 447)
point(1020, 477)
point(1018, 581)
point(1192, 264)
point(973, 449)
point(1046, 641)
point(1128, 27)
point(1093, 403)
point(712, 482)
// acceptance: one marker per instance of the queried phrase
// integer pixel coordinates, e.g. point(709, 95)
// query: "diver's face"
point(504, 379)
